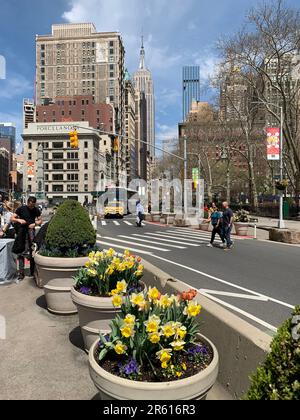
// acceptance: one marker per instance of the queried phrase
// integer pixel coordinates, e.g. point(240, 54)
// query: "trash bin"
point(286, 210)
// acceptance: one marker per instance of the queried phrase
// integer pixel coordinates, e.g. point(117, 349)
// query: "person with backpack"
point(140, 213)
point(216, 221)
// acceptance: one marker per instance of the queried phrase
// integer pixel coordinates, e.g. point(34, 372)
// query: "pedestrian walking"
point(216, 219)
point(140, 213)
point(8, 231)
point(227, 224)
point(25, 219)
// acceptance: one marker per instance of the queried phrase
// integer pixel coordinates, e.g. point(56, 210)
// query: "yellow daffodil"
point(110, 270)
point(138, 273)
point(184, 367)
point(130, 265)
point(152, 324)
point(122, 286)
point(164, 356)
point(179, 374)
point(99, 255)
point(153, 294)
point(154, 338)
point(127, 253)
point(92, 255)
point(178, 345)
point(130, 319)
point(165, 301)
point(168, 330)
point(181, 333)
point(141, 268)
point(92, 272)
point(110, 253)
point(192, 310)
point(117, 301)
point(122, 267)
point(114, 292)
point(120, 348)
point(138, 300)
point(127, 331)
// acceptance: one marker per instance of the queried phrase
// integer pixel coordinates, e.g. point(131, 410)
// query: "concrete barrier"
point(286, 236)
point(241, 346)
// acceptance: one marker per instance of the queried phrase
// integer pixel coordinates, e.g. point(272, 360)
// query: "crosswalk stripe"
point(163, 238)
point(116, 223)
point(124, 247)
point(134, 243)
point(185, 238)
point(103, 223)
point(201, 237)
point(169, 240)
point(149, 242)
point(127, 223)
point(192, 234)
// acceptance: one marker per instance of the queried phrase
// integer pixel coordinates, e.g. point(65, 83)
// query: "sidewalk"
point(42, 357)
point(267, 223)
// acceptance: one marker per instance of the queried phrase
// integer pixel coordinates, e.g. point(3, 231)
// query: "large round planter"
point(204, 227)
point(55, 275)
point(95, 316)
point(114, 388)
point(241, 229)
point(156, 218)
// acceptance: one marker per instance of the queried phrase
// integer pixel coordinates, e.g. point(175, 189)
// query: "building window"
point(86, 177)
point(86, 155)
point(58, 177)
point(86, 166)
point(72, 188)
point(57, 156)
point(86, 188)
point(82, 112)
point(58, 166)
point(58, 145)
point(29, 156)
point(58, 188)
point(111, 51)
point(73, 166)
point(73, 155)
point(72, 177)
point(29, 145)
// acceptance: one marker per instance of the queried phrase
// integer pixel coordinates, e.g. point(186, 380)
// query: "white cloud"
point(15, 85)
point(166, 132)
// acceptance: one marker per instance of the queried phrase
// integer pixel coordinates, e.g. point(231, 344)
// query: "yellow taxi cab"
point(114, 208)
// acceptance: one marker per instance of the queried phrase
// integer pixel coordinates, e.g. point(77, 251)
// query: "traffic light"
point(74, 139)
point(116, 144)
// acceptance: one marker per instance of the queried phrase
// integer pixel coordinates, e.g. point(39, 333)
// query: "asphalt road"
point(257, 280)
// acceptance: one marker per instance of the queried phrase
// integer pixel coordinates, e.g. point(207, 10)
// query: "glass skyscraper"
point(8, 130)
point(191, 87)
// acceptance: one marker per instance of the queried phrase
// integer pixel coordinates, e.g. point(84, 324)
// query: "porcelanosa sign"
point(54, 128)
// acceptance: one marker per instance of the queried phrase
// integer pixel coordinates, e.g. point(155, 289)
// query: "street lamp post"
point(185, 176)
point(281, 224)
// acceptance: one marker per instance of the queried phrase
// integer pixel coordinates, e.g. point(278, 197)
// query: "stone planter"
point(114, 388)
point(204, 226)
point(148, 218)
point(285, 236)
point(95, 315)
point(241, 229)
point(55, 275)
point(156, 218)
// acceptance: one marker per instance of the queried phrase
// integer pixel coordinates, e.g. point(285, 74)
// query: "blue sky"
point(177, 33)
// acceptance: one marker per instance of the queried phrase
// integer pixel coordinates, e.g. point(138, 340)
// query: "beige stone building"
point(77, 60)
point(130, 129)
point(63, 172)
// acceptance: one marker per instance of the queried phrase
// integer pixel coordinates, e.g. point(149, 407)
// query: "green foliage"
point(70, 231)
point(279, 377)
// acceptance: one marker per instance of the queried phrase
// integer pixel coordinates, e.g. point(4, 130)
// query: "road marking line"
point(127, 223)
point(183, 235)
point(134, 243)
point(168, 241)
point(124, 247)
point(235, 295)
point(241, 312)
point(149, 242)
point(116, 223)
point(226, 282)
point(103, 223)
point(165, 235)
point(172, 237)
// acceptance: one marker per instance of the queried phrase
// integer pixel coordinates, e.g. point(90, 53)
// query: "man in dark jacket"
point(26, 218)
point(227, 224)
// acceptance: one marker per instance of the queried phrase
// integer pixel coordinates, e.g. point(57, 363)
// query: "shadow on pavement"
point(41, 302)
point(76, 339)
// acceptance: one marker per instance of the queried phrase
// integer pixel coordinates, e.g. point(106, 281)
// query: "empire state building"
point(143, 84)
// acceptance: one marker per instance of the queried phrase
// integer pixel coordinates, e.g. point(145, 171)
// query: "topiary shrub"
point(279, 377)
point(70, 232)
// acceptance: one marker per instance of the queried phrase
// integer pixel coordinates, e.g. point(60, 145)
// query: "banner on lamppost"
point(195, 173)
point(30, 170)
point(273, 143)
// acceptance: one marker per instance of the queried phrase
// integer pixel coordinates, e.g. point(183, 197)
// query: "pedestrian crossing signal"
point(74, 139)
